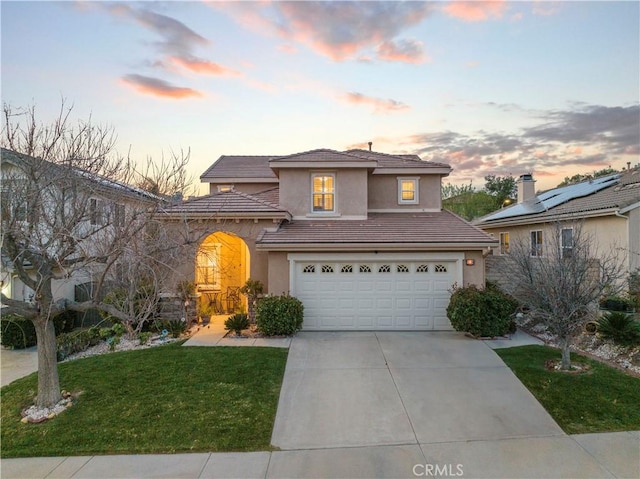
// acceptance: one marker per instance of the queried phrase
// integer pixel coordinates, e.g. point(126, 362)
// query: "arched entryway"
point(222, 268)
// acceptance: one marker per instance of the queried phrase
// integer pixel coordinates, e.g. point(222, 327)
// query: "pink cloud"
point(158, 87)
point(198, 65)
point(407, 51)
point(379, 105)
point(475, 11)
point(340, 30)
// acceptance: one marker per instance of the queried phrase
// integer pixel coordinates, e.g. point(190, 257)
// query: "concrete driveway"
point(375, 389)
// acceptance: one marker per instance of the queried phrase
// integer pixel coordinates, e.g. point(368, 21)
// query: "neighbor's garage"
point(375, 291)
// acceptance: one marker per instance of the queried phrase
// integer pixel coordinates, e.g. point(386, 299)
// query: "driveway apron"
point(399, 388)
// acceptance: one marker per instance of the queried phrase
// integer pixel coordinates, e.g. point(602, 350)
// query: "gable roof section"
point(391, 230)
point(322, 157)
point(231, 204)
point(102, 184)
point(237, 168)
point(398, 161)
point(607, 194)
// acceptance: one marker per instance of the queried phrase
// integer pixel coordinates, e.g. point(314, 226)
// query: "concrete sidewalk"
point(611, 455)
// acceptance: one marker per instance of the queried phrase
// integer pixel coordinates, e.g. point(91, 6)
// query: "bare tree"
point(67, 212)
point(562, 278)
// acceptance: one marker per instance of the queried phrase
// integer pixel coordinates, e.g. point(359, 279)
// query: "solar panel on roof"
point(552, 198)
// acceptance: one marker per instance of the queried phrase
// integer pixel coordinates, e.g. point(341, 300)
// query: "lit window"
point(567, 242)
point(504, 243)
point(536, 243)
point(323, 196)
point(208, 270)
point(224, 188)
point(408, 191)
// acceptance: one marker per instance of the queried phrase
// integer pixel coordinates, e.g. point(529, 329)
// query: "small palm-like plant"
point(252, 289)
point(237, 323)
point(619, 327)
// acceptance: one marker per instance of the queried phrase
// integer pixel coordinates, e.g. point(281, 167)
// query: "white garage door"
point(362, 293)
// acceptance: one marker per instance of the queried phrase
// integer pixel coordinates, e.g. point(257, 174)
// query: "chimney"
point(526, 188)
point(370, 144)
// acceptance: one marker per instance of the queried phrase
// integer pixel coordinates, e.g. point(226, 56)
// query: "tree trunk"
point(566, 355)
point(48, 381)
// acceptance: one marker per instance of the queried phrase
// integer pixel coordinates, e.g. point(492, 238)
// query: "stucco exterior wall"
point(350, 191)
point(473, 274)
point(634, 239)
point(383, 192)
point(278, 273)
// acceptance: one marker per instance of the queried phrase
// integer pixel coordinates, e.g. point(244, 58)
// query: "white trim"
point(416, 190)
point(632, 206)
point(332, 174)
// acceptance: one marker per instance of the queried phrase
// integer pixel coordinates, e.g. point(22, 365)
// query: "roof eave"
point(525, 220)
point(280, 164)
point(237, 179)
point(430, 170)
point(208, 215)
point(266, 246)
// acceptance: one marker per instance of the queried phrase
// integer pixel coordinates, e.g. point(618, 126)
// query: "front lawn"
point(600, 400)
point(160, 400)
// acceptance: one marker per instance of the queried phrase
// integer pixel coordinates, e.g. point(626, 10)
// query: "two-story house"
point(360, 237)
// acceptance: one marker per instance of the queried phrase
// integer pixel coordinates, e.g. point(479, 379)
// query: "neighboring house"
point(95, 205)
point(608, 207)
point(359, 237)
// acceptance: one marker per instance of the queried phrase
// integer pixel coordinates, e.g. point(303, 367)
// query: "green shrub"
point(279, 315)
point(616, 303)
point(17, 332)
point(482, 312)
point(144, 337)
point(77, 341)
point(619, 327)
point(237, 323)
point(175, 327)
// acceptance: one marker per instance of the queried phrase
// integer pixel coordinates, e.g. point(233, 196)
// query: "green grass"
point(160, 400)
point(601, 400)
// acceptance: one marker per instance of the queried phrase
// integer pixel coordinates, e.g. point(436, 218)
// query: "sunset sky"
point(549, 88)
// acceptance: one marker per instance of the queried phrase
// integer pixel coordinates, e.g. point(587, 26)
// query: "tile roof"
point(236, 166)
point(607, 193)
point(232, 203)
point(441, 227)
point(257, 167)
point(320, 155)
point(397, 161)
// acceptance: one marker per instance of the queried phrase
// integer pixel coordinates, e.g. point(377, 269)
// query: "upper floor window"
point(97, 213)
point(323, 192)
point(224, 188)
point(536, 243)
point(504, 243)
point(407, 191)
point(566, 242)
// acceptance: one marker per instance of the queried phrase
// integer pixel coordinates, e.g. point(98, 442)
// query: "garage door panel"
point(401, 295)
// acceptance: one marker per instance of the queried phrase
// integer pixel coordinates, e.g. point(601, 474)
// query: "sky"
point(489, 87)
